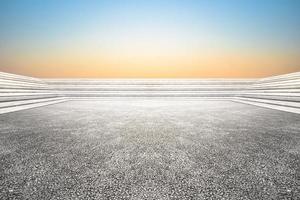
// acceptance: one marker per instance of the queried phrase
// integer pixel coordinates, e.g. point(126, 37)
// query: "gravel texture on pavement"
point(160, 149)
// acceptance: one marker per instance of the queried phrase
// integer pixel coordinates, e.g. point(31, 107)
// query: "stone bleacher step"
point(282, 84)
point(295, 75)
point(8, 104)
point(30, 90)
point(274, 102)
point(118, 98)
point(9, 76)
point(27, 97)
point(150, 95)
point(292, 107)
point(27, 93)
point(271, 97)
point(27, 105)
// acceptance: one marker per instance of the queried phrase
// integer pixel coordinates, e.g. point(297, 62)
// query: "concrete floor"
point(150, 150)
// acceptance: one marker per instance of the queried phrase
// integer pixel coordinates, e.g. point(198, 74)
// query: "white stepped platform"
point(148, 88)
point(148, 98)
point(24, 94)
point(20, 82)
point(28, 106)
point(273, 102)
point(27, 102)
point(279, 92)
point(9, 76)
point(66, 82)
point(26, 97)
point(21, 92)
point(271, 106)
point(284, 77)
point(284, 97)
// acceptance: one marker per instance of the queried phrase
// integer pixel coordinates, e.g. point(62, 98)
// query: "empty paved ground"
point(150, 150)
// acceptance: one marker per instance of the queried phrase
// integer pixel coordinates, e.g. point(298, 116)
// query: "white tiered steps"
point(21, 92)
point(148, 88)
point(278, 92)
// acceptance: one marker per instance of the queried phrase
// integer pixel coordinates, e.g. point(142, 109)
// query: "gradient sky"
point(149, 38)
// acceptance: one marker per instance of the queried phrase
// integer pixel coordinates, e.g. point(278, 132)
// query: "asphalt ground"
point(150, 150)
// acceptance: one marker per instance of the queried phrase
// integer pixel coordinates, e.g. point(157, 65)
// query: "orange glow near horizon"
point(149, 39)
point(137, 65)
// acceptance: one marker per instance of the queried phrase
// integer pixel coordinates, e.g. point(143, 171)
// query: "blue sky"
point(119, 35)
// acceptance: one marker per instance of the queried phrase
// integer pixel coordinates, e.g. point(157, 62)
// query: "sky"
point(149, 39)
